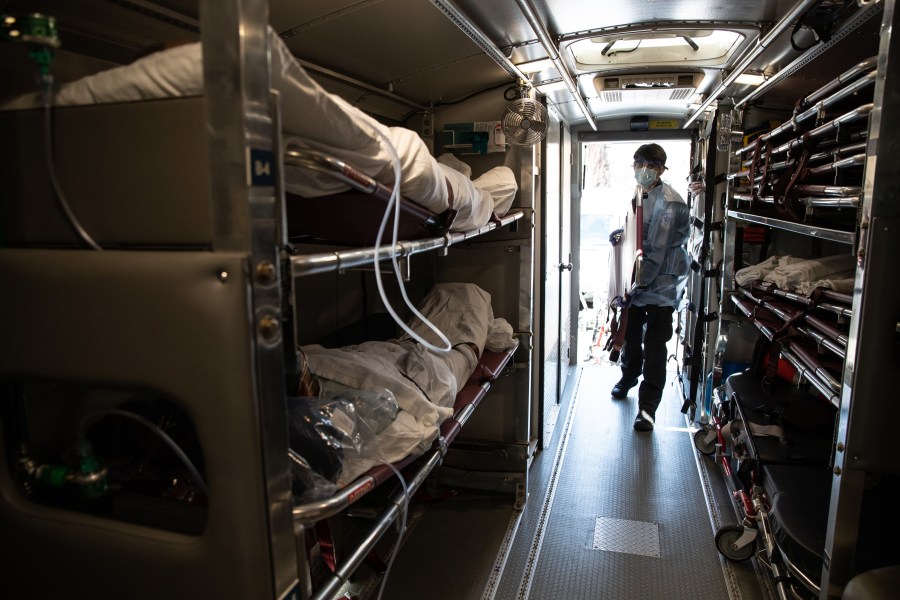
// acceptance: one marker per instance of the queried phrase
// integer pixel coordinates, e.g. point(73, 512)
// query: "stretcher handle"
point(639, 197)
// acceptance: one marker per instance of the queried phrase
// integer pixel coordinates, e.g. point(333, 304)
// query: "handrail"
point(787, 21)
point(835, 235)
point(530, 13)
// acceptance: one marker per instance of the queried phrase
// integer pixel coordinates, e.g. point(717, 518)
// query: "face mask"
point(645, 177)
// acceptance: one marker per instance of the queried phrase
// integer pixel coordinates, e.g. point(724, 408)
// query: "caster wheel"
point(704, 447)
point(726, 536)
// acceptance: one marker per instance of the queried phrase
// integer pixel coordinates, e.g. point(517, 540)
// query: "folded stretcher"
point(775, 439)
point(773, 428)
point(776, 450)
point(812, 175)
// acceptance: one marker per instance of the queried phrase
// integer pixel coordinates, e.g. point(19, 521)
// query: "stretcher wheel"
point(726, 536)
point(707, 448)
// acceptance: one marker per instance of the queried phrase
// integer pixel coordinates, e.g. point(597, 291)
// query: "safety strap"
point(783, 187)
point(781, 335)
point(613, 329)
point(326, 544)
point(617, 340)
point(327, 550)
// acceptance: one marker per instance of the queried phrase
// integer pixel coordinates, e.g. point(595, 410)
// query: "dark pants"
point(650, 357)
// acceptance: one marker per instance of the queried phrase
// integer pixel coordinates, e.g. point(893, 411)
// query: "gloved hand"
point(696, 187)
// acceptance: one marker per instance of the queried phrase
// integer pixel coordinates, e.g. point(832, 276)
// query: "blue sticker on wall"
point(262, 168)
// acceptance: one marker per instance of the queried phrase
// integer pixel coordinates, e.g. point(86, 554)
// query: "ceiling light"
point(749, 79)
point(536, 66)
point(551, 86)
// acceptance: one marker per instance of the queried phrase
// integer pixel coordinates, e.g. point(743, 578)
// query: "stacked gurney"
point(802, 308)
point(778, 420)
point(782, 445)
point(810, 168)
point(338, 162)
point(362, 406)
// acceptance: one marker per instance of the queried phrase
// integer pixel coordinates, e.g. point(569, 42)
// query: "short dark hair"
point(651, 153)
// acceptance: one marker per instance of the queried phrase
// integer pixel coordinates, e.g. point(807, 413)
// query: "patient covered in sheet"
point(423, 383)
point(311, 118)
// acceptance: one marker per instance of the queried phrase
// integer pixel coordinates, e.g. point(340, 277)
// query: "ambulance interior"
point(315, 300)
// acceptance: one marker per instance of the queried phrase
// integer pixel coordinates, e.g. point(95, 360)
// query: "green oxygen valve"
point(37, 30)
point(90, 476)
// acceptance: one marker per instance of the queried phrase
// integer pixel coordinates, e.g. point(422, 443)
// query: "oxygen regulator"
point(36, 30)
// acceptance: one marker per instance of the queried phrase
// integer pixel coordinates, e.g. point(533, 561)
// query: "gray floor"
point(612, 514)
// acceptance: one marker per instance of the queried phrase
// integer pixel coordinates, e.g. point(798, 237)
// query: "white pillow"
point(456, 164)
point(500, 183)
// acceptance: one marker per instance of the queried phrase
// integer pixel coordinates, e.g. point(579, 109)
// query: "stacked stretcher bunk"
point(775, 424)
point(402, 404)
point(365, 413)
point(809, 169)
point(338, 162)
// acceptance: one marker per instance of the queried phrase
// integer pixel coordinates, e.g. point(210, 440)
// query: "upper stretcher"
point(311, 119)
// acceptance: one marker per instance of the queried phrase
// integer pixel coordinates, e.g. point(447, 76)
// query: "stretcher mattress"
point(311, 118)
point(787, 427)
point(799, 499)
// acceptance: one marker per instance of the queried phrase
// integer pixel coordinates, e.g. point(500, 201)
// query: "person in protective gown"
point(656, 296)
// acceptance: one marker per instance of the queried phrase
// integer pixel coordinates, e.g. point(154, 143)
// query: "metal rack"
point(202, 324)
point(870, 376)
point(835, 235)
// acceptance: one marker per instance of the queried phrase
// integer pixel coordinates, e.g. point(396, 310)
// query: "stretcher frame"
point(738, 542)
point(490, 364)
point(785, 184)
point(777, 319)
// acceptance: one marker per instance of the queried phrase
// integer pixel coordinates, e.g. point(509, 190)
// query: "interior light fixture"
point(551, 86)
point(749, 79)
point(536, 66)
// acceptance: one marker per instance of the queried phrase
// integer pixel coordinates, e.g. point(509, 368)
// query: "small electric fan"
point(524, 121)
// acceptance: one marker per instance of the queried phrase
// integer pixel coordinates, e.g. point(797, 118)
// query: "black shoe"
point(643, 421)
point(620, 390)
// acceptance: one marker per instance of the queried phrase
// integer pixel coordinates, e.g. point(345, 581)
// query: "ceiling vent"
point(665, 87)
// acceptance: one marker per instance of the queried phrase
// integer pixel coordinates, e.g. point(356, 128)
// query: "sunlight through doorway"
point(608, 188)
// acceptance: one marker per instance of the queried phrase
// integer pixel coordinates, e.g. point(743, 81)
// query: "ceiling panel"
point(402, 45)
point(411, 49)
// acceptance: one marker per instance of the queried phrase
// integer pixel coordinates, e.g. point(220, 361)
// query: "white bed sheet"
point(311, 118)
point(801, 275)
point(424, 383)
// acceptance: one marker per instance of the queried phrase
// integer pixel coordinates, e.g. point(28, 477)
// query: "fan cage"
point(525, 122)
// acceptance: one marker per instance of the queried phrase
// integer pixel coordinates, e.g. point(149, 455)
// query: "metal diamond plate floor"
point(625, 516)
